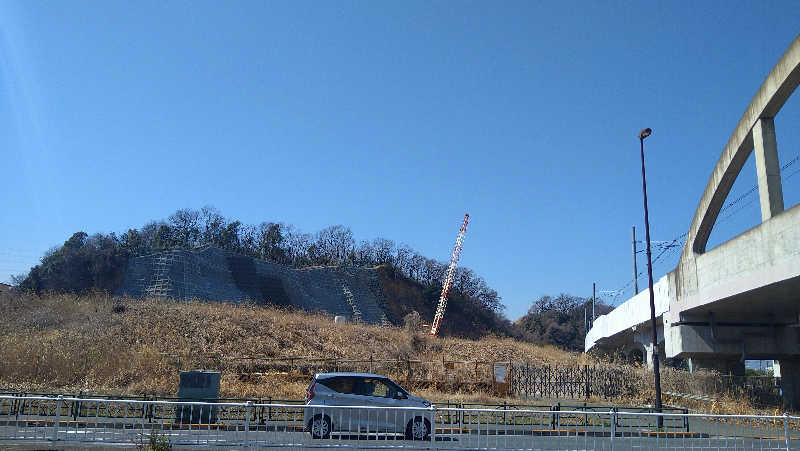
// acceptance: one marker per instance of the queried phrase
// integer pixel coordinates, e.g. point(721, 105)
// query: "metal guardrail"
point(265, 413)
point(198, 424)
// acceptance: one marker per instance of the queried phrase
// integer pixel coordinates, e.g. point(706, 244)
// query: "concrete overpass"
point(740, 300)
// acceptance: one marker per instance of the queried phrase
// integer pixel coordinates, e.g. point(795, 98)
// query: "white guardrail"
point(27, 419)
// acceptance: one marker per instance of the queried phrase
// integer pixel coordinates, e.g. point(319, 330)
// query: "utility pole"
point(585, 319)
point(635, 272)
point(593, 311)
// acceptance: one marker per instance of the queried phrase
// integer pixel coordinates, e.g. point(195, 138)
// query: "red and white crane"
point(448, 281)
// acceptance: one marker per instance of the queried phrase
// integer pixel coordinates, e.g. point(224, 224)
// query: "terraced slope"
point(213, 274)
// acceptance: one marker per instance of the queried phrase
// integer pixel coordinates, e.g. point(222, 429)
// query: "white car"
point(331, 393)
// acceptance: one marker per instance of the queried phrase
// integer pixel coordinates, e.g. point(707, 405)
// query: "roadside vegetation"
point(99, 344)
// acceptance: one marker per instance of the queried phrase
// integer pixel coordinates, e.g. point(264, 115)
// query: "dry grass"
point(123, 346)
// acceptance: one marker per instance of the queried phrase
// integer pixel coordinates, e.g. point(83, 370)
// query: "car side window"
point(395, 390)
point(344, 385)
point(371, 386)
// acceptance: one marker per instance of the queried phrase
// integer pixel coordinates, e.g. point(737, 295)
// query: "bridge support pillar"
point(768, 168)
point(790, 384)
point(649, 349)
point(733, 367)
point(644, 338)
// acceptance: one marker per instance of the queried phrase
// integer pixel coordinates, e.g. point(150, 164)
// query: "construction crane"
point(448, 281)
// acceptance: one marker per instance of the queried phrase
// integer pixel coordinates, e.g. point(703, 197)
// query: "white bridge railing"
point(199, 424)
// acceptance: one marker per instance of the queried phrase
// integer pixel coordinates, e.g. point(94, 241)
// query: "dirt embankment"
point(100, 344)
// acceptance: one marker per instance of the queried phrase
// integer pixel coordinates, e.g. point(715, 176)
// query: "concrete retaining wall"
point(213, 274)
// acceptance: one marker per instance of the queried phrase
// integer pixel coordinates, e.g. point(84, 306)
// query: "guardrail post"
point(686, 419)
point(786, 429)
point(247, 423)
point(613, 427)
point(58, 416)
point(21, 406)
point(558, 416)
point(585, 416)
point(433, 424)
point(76, 407)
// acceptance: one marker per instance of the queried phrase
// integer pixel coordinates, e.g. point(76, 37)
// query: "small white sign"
point(500, 371)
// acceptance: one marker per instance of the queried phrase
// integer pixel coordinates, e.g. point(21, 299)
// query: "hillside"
point(463, 318)
point(378, 294)
point(111, 345)
point(203, 255)
point(106, 344)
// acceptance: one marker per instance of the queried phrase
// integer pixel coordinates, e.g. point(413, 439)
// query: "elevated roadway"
point(740, 300)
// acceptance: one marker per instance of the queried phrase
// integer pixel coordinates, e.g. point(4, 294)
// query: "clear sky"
point(393, 118)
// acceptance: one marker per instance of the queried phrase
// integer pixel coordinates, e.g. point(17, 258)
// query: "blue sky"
point(393, 118)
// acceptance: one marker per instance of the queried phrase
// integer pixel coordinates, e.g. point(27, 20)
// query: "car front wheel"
point(418, 429)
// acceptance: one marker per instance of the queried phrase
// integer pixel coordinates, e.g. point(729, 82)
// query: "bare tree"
point(212, 225)
point(416, 267)
point(433, 272)
point(297, 244)
point(402, 259)
point(270, 242)
point(334, 244)
point(365, 254)
point(248, 240)
point(384, 250)
point(186, 225)
point(148, 234)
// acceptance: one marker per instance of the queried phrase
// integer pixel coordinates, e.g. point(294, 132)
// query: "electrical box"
point(198, 386)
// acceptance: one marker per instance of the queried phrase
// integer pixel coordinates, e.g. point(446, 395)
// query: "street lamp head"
point(645, 133)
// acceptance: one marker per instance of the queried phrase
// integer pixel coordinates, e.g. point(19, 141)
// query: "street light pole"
point(642, 135)
point(635, 272)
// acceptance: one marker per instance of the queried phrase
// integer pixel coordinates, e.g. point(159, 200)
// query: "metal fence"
point(196, 424)
point(262, 414)
point(762, 390)
point(547, 381)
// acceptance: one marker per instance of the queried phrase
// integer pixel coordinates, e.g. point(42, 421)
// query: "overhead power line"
point(668, 247)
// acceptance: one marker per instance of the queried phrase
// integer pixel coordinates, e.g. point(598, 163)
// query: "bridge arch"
point(757, 121)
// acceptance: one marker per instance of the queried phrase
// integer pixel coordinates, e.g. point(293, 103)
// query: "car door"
point(399, 398)
point(376, 392)
point(342, 393)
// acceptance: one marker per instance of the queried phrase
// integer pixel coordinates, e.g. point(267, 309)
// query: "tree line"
point(87, 262)
point(559, 321)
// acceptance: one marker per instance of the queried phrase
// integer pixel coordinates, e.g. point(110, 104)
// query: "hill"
point(201, 254)
point(122, 345)
point(102, 344)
